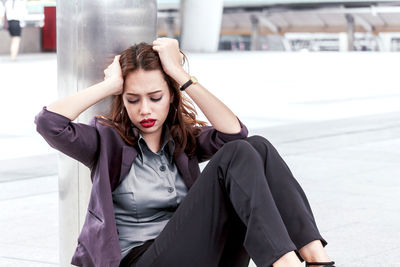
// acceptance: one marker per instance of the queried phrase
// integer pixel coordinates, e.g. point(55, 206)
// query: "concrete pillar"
point(343, 43)
point(350, 32)
point(255, 33)
point(86, 44)
point(285, 42)
point(200, 25)
point(385, 42)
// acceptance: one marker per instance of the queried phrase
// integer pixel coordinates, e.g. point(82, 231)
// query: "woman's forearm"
point(72, 106)
point(219, 115)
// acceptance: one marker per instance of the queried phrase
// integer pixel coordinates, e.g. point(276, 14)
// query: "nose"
point(145, 107)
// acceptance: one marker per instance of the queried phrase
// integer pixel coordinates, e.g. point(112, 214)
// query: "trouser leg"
point(234, 253)
point(289, 197)
point(233, 182)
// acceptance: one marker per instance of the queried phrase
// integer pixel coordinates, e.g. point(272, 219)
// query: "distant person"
point(2, 14)
point(149, 203)
point(15, 11)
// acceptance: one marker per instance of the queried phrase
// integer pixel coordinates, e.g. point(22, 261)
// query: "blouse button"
point(170, 189)
point(162, 168)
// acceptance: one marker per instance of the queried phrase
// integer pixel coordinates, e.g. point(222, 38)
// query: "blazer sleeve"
point(211, 140)
point(77, 140)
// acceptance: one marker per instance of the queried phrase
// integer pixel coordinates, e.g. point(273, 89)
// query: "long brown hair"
point(181, 119)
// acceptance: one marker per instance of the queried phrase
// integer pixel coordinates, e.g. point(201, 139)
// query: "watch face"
point(194, 80)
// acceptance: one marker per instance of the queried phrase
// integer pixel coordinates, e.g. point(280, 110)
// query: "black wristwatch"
point(192, 80)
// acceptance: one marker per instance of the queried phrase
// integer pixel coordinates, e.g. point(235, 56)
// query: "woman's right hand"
point(73, 105)
point(113, 73)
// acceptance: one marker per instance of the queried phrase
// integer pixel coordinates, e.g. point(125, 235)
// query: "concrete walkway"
point(342, 146)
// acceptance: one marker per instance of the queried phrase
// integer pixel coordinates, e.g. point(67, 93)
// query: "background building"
point(273, 25)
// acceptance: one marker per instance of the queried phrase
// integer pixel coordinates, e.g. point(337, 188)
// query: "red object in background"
point(49, 30)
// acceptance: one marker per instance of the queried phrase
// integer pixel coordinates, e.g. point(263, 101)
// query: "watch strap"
point(191, 81)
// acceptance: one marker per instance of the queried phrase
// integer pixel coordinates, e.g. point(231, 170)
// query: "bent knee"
point(239, 145)
point(257, 140)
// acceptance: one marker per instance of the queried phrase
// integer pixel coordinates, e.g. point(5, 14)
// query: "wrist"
point(181, 76)
point(113, 84)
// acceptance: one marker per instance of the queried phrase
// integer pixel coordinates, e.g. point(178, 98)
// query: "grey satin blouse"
point(148, 196)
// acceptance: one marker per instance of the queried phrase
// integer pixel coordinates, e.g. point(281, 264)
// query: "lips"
point(148, 122)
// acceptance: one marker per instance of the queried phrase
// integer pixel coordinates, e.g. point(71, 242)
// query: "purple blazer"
point(109, 159)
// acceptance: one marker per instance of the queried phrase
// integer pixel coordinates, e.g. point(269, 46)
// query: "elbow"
point(234, 129)
point(49, 124)
point(242, 129)
point(238, 128)
point(40, 124)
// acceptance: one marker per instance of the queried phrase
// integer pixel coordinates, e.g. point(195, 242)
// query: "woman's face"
point(146, 96)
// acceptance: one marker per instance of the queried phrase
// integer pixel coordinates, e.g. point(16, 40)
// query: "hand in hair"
point(170, 55)
point(114, 73)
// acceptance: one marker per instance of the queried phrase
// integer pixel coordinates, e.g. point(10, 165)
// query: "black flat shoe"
point(323, 263)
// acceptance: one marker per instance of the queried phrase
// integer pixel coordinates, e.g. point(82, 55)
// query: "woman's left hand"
point(170, 55)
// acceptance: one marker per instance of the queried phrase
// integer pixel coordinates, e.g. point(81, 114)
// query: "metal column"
point(89, 34)
point(350, 32)
point(255, 34)
point(201, 25)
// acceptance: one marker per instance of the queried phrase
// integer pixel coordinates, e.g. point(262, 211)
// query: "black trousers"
point(246, 203)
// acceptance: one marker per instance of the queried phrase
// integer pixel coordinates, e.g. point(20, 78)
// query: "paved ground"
point(336, 125)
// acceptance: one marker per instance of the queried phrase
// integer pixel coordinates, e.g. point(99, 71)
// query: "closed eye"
point(152, 99)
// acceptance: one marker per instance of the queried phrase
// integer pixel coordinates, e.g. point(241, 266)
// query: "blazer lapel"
point(128, 156)
point(182, 163)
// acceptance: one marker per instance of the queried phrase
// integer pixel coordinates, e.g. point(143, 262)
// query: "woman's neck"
point(153, 141)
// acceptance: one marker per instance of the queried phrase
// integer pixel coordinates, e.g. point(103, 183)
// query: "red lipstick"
point(147, 123)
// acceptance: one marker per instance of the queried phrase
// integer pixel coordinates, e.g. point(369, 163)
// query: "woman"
point(2, 16)
point(15, 14)
point(149, 204)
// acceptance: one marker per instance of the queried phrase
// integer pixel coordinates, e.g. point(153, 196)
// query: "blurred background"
point(319, 79)
point(272, 25)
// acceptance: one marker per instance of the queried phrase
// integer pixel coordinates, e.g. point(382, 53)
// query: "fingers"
point(110, 68)
point(163, 41)
point(116, 59)
point(156, 44)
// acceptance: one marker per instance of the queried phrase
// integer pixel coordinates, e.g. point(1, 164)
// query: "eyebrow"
point(147, 93)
